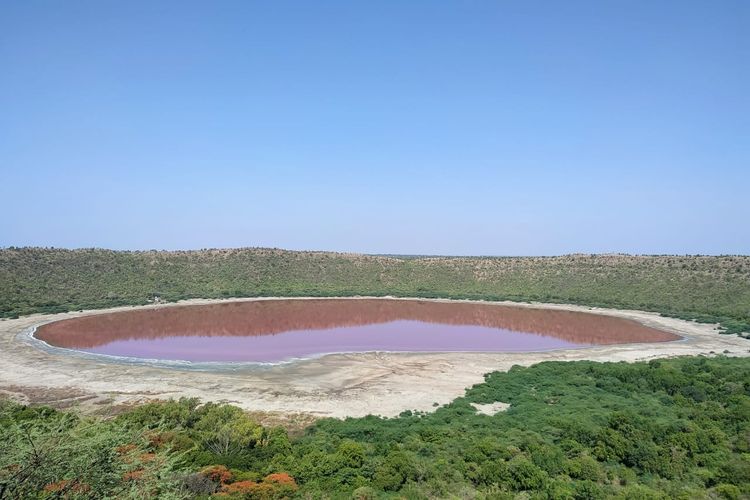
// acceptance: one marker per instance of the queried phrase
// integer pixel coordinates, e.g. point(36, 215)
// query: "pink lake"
point(279, 330)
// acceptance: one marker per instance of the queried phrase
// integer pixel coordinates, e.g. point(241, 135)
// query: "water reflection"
point(278, 329)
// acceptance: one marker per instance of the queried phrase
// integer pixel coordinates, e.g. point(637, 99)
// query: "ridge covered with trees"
point(677, 428)
point(47, 280)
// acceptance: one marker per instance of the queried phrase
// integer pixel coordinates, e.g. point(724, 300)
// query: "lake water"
point(279, 330)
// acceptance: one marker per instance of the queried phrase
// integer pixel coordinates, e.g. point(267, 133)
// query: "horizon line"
point(366, 254)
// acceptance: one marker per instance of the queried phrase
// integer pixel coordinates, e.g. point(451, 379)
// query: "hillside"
point(695, 287)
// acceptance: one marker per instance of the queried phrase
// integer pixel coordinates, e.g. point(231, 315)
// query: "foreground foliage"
point(710, 289)
point(676, 428)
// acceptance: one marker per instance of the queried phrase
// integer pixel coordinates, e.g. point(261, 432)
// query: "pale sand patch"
point(336, 385)
point(490, 408)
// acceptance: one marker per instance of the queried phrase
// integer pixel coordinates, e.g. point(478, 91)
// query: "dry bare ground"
point(337, 385)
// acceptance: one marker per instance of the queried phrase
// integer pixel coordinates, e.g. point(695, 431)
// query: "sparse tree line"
point(708, 289)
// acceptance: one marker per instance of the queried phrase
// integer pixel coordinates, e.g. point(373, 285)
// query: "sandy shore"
point(336, 385)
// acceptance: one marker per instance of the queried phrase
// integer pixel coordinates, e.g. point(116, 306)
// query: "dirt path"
point(336, 385)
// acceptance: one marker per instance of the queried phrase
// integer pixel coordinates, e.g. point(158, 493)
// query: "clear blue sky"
point(465, 127)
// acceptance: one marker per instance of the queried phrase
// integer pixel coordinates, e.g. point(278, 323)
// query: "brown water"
point(278, 330)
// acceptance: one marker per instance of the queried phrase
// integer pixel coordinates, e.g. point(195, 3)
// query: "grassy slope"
point(52, 280)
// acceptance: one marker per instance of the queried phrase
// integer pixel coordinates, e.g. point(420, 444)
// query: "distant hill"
point(693, 287)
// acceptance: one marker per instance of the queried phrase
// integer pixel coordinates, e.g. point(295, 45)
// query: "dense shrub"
point(574, 430)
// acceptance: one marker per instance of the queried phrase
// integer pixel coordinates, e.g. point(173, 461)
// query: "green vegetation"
point(676, 428)
point(709, 289)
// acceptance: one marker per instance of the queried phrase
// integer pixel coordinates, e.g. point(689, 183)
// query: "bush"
point(654, 443)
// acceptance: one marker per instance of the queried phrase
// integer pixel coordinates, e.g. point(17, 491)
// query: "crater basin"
point(270, 331)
